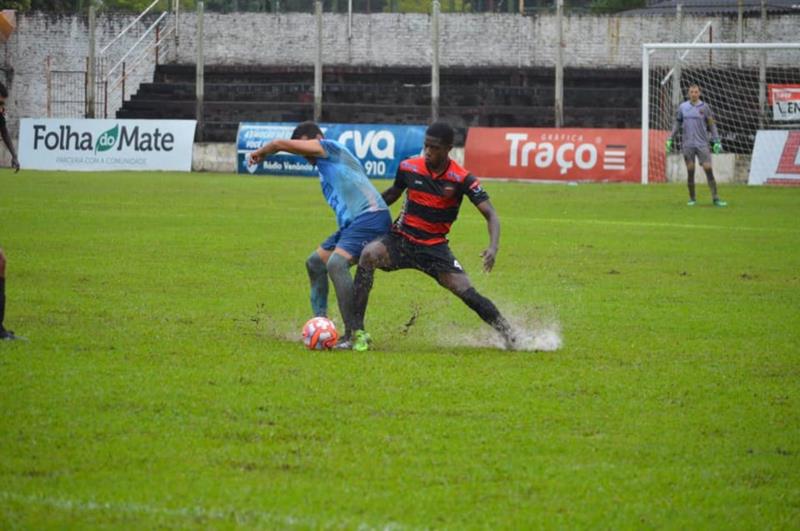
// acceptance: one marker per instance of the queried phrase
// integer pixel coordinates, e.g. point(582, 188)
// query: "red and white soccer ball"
point(319, 333)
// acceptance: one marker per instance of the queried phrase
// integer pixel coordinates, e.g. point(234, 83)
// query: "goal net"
point(748, 87)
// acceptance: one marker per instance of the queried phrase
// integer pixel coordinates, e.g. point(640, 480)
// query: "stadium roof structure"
point(717, 7)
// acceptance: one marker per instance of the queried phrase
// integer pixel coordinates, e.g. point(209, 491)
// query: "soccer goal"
point(749, 87)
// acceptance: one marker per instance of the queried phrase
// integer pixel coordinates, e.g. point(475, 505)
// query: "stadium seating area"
point(491, 96)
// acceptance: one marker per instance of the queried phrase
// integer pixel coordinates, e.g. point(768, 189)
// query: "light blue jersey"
point(345, 185)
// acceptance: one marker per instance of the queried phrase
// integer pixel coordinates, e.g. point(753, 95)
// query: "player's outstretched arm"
point(392, 194)
point(305, 148)
point(10, 145)
point(493, 222)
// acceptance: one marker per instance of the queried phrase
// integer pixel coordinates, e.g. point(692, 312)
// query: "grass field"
point(163, 384)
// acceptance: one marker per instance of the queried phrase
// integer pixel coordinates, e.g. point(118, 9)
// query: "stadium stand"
point(490, 96)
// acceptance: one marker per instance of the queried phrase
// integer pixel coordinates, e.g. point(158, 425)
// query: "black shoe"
point(510, 339)
point(8, 335)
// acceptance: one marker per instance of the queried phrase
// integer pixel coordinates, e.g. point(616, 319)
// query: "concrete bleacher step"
point(491, 96)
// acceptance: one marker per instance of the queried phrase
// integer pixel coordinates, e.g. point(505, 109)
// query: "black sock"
point(486, 310)
point(362, 284)
point(712, 184)
point(690, 182)
point(2, 301)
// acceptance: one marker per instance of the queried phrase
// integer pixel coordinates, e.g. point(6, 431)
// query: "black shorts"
point(430, 259)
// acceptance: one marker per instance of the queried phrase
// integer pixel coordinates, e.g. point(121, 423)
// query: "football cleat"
point(361, 341)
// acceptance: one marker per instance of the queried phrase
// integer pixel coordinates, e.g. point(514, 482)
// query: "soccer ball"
point(319, 333)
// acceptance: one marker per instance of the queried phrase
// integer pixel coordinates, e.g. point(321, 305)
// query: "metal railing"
point(116, 66)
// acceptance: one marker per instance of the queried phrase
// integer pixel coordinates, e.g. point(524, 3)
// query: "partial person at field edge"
point(6, 335)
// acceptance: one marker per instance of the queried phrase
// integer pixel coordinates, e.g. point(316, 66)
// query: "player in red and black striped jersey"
point(435, 186)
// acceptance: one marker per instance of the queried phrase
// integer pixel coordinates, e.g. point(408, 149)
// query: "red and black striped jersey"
point(433, 201)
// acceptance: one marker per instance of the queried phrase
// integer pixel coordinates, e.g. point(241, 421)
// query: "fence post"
point(740, 29)
point(176, 8)
point(349, 19)
point(762, 70)
point(49, 87)
point(676, 75)
point(124, 75)
point(559, 89)
point(318, 63)
point(90, 66)
point(435, 61)
point(158, 41)
point(199, 81)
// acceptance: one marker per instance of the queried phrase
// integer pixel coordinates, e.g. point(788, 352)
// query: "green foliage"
point(614, 6)
point(17, 5)
point(164, 385)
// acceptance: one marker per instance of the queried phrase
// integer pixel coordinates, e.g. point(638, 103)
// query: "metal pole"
point(435, 61)
point(158, 41)
point(762, 70)
point(740, 29)
point(124, 75)
point(49, 88)
point(90, 65)
point(318, 63)
point(559, 95)
point(521, 7)
point(676, 78)
point(349, 19)
point(645, 114)
point(176, 38)
point(200, 66)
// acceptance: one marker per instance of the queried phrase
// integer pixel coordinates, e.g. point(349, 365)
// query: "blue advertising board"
point(380, 148)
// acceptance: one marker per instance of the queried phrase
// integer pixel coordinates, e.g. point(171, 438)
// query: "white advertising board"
point(776, 158)
point(106, 145)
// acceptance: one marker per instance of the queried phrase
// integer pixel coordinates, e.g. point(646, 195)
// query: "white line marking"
point(233, 515)
point(614, 152)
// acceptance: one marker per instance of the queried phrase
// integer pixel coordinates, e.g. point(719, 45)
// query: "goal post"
point(739, 81)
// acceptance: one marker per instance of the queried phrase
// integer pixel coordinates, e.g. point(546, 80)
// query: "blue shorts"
point(362, 230)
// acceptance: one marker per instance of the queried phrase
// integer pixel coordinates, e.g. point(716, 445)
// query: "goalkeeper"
point(695, 119)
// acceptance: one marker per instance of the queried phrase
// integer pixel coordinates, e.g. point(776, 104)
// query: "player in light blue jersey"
point(695, 120)
point(361, 213)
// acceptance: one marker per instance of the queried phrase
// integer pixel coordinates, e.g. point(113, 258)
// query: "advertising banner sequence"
point(554, 154)
point(106, 145)
point(776, 158)
point(380, 148)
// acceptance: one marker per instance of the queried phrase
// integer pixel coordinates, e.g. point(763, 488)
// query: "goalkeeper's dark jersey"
point(433, 201)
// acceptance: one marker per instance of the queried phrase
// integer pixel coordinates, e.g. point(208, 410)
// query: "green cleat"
point(361, 341)
point(691, 202)
point(720, 203)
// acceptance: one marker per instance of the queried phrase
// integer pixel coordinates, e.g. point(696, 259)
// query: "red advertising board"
point(785, 101)
point(555, 154)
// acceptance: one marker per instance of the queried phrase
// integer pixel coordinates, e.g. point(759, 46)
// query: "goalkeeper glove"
point(716, 147)
point(669, 145)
